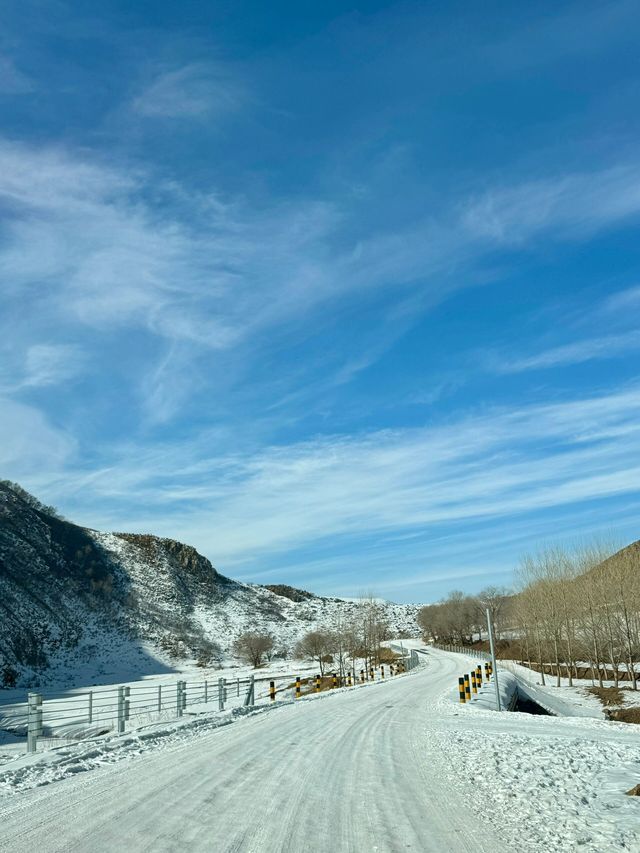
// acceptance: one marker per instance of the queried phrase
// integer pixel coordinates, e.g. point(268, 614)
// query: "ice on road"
point(347, 772)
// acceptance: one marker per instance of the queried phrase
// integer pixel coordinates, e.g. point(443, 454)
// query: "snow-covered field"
point(391, 766)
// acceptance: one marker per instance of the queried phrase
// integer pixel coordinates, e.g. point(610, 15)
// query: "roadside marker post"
point(461, 690)
point(272, 691)
point(474, 686)
point(467, 688)
point(298, 690)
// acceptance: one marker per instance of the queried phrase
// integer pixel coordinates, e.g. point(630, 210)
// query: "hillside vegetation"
point(73, 598)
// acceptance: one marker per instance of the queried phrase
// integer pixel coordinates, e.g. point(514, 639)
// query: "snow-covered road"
point(349, 772)
point(383, 767)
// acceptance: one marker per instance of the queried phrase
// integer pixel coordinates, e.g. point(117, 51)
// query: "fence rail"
point(47, 719)
point(463, 650)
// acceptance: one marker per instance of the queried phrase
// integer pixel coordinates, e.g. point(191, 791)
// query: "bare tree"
point(252, 647)
point(316, 645)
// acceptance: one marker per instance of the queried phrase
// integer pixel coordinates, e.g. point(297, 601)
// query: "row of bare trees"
point(358, 639)
point(580, 608)
point(460, 618)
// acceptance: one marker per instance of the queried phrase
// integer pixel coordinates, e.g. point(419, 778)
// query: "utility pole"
point(493, 658)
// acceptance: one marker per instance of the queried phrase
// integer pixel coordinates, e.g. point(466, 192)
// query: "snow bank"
point(551, 792)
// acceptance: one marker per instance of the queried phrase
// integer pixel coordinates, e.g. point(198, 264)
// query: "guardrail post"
point(120, 710)
point(461, 691)
point(179, 698)
point(90, 709)
point(34, 720)
point(362, 676)
point(474, 686)
point(272, 691)
point(159, 698)
point(349, 679)
point(206, 691)
point(318, 683)
point(479, 676)
point(334, 683)
point(467, 688)
point(249, 699)
point(221, 694)
point(127, 693)
point(382, 671)
point(298, 690)
point(371, 675)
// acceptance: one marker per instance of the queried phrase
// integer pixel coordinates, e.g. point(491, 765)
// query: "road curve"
point(351, 772)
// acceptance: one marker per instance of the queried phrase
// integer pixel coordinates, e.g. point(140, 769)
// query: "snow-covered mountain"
point(75, 599)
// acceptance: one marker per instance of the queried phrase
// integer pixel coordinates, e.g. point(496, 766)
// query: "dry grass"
point(626, 715)
point(610, 697)
point(634, 792)
point(308, 685)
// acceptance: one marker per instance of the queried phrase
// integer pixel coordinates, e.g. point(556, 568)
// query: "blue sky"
point(346, 295)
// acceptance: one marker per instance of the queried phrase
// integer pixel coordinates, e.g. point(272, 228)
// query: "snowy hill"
point(72, 598)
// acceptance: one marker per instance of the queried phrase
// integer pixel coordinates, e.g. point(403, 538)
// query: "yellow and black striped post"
point(381, 670)
point(486, 671)
point(317, 684)
point(272, 691)
point(467, 688)
point(461, 690)
point(349, 679)
point(474, 686)
point(391, 672)
point(371, 674)
point(335, 680)
point(362, 676)
point(298, 690)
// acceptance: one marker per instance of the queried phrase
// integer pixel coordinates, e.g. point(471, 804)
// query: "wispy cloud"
point(12, 80)
point(608, 346)
point(195, 90)
point(489, 468)
point(204, 274)
point(30, 445)
point(50, 364)
point(624, 300)
point(572, 205)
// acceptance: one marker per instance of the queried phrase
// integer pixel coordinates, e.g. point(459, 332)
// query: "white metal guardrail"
point(49, 718)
